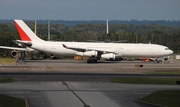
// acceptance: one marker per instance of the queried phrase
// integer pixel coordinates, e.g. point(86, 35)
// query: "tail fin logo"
point(23, 35)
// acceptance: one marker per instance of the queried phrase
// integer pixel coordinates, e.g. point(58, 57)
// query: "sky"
point(90, 9)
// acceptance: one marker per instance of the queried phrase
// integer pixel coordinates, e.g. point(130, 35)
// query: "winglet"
point(64, 46)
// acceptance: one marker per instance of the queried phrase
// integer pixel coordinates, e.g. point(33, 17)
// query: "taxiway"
point(80, 66)
point(72, 83)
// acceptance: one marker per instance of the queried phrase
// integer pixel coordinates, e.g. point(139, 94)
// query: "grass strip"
point(168, 81)
point(5, 80)
point(165, 72)
point(7, 61)
point(8, 101)
point(167, 98)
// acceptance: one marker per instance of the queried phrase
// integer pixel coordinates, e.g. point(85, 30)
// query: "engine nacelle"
point(14, 53)
point(88, 53)
point(52, 55)
point(108, 56)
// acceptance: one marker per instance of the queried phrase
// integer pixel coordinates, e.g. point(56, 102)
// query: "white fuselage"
point(109, 51)
point(121, 49)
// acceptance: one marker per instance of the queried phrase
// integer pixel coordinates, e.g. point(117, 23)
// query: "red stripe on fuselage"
point(23, 35)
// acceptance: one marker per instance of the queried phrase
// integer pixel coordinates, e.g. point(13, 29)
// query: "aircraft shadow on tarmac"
point(70, 61)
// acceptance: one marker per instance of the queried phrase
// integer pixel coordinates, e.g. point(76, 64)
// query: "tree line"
point(71, 23)
point(153, 33)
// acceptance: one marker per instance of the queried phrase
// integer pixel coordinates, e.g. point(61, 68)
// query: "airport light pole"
point(48, 30)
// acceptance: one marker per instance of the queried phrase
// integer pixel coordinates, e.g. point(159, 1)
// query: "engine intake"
point(14, 53)
point(52, 55)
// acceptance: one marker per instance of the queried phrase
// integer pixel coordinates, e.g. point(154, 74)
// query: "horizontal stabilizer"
point(26, 43)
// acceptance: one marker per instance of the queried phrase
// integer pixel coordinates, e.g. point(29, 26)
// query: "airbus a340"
point(95, 51)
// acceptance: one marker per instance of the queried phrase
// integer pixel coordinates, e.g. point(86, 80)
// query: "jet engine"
point(88, 53)
point(30, 51)
point(108, 56)
point(52, 55)
point(14, 53)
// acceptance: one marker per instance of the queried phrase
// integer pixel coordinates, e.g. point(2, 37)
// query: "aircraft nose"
point(171, 52)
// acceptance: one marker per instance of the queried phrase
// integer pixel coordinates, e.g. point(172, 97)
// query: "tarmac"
point(80, 66)
point(75, 92)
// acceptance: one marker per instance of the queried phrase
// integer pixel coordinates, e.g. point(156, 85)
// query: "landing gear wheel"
point(92, 60)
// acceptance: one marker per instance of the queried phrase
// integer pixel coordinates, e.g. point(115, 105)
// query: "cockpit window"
point(166, 48)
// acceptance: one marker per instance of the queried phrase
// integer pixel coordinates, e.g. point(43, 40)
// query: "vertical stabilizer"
point(25, 32)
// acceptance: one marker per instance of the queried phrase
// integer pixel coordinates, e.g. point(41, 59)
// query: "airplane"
point(95, 51)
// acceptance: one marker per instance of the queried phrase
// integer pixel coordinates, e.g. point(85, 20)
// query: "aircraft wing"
point(87, 49)
point(13, 48)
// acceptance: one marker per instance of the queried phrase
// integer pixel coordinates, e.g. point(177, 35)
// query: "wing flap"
point(80, 49)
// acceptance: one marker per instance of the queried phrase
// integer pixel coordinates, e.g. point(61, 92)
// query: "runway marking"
point(88, 82)
point(84, 103)
point(30, 68)
point(61, 82)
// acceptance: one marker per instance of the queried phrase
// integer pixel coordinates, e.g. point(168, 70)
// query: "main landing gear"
point(157, 61)
point(162, 60)
point(92, 60)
